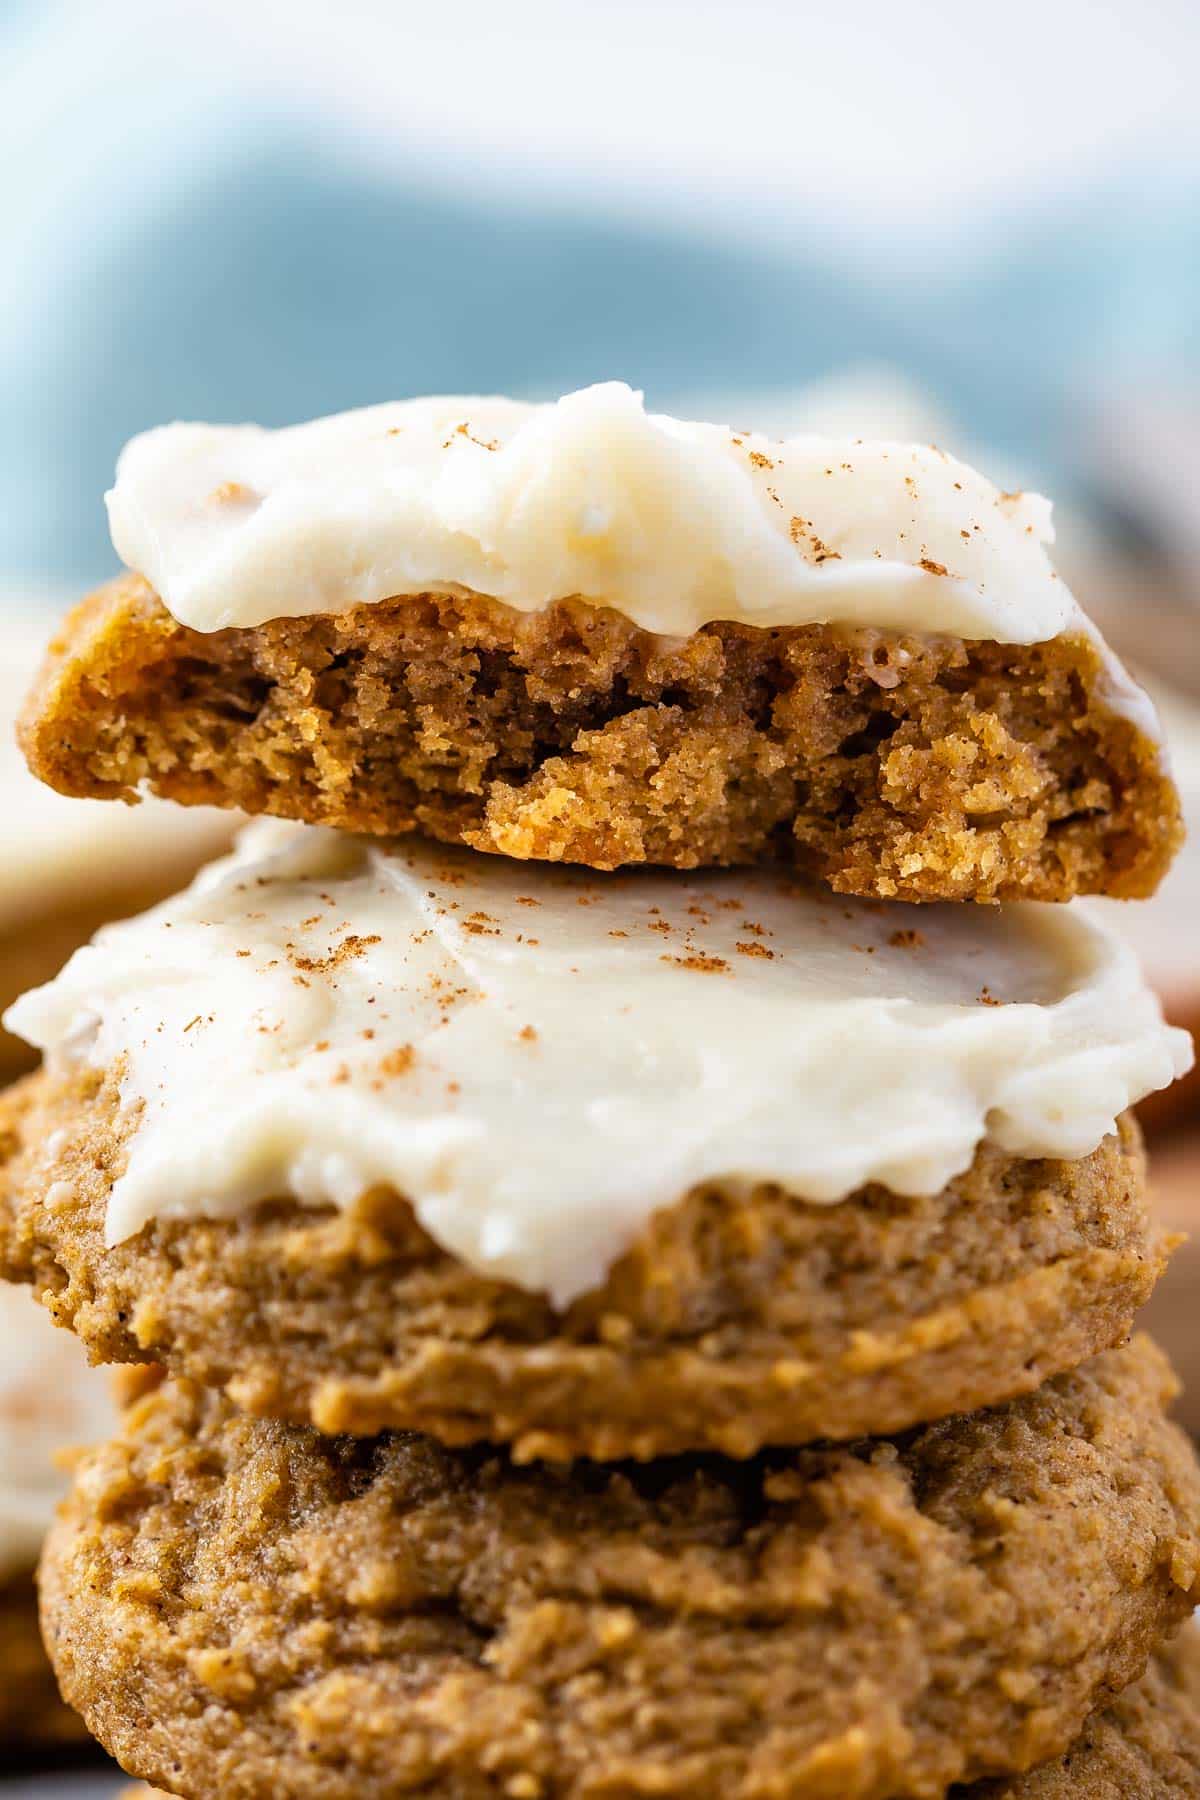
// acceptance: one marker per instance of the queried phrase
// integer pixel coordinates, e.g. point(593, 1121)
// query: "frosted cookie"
point(377, 1136)
point(50, 1401)
point(582, 633)
point(244, 1607)
point(66, 866)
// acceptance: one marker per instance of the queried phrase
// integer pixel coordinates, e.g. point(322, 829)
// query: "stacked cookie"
point(645, 1310)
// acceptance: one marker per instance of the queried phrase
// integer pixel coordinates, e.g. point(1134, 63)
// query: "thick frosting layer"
point(673, 524)
point(540, 1065)
point(50, 1400)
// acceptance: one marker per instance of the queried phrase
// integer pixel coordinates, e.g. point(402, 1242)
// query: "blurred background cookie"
point(1165, 930)
point(68, 866)
point(50, 1402)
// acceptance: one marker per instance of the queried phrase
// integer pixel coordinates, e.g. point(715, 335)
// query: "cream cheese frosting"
point(540, 1066)
point(50, 1400)
point(669, 522)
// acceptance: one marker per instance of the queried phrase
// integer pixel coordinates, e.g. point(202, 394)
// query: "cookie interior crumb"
point(885, 765)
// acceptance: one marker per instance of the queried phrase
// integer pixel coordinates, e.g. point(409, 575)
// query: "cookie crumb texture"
point(244, 1608)
point(886, 765)
point(736, 1319)
point(32, 1715)
point(1146, 1746)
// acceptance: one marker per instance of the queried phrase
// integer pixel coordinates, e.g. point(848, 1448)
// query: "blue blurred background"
point(980, 220)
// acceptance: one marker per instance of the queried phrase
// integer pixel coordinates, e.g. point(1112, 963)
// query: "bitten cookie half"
point(881, 762)
point(246, 1608)
point(1146, 1746)
point(737, 1319)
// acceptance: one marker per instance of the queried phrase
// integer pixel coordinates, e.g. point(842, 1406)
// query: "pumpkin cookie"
point(245, 1608)
point(1146, 1746)
point(737, 1319)
point(624, 1165)
point(881, 763)
point(583, 633)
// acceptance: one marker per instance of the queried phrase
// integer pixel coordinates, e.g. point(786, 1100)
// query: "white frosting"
point(50, 1400)
point(539, 1064)
point(58, 854)
point(673, 524)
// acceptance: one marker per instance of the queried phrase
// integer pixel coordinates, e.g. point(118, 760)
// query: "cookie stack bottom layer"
point(246, 1609)
point(1146, 1746)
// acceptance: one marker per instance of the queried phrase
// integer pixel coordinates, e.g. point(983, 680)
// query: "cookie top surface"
point(539, 1066)
point(50, 1400)
point(670, 522)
